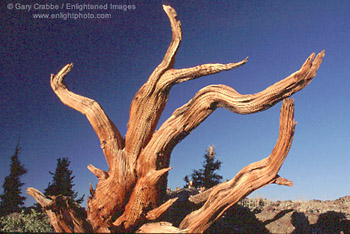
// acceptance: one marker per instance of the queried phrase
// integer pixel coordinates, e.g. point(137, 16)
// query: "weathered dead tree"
point(129, 196)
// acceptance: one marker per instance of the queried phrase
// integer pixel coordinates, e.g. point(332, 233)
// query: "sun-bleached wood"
point(65, 216)
point(249, 179)
point(129, 197)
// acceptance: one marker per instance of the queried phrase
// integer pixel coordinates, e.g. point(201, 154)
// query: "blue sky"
point(113, 57)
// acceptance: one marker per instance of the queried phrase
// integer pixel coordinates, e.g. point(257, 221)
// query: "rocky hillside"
point(264, 216)
point(313, 216)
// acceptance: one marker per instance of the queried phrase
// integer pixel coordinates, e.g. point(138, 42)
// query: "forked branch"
point(129, 194)
point(150, 100)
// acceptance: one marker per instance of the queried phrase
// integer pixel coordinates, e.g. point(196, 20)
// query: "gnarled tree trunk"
point(129, 196)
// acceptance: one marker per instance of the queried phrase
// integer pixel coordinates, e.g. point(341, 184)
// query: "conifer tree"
point(62, 183)
point(206, 176)
point(11, 199)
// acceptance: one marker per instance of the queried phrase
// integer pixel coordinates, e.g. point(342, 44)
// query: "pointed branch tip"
point(100, 174)
point(282, 181)
point(65, 69)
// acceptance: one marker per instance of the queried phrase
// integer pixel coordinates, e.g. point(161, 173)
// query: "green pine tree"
point(11, 199)
point(206, 176)
point(62, 183)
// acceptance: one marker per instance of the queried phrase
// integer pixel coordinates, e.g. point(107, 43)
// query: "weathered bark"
point(130, 194)
point(249, 179)
point(65, 215)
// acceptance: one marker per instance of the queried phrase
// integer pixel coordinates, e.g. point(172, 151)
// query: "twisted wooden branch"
point(108, 134)
point(190, 115)
point(65, 215)
point(150, 100)
point(249, 179)
point(129, 194)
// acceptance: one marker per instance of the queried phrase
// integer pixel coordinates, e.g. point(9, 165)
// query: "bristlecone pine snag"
point(129, 197)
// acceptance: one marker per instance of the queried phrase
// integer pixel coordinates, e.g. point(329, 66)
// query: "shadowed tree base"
point(129, 196)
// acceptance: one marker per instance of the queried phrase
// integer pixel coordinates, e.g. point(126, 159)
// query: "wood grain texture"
point(129, 197)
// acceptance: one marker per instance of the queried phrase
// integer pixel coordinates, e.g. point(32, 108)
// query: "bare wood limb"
point(108, 199)
point(148, 103)
point(153, 177)
point(177, 76)
point(143, 197)
point(203, 196)
point(282, 181)
point(38, 196)
point(44, 202)
point(64, 216)
point(108, 134)
point(249, 179)
point(129, 194)
point(150, 100)
point(100, 174)
point(157, 212)
point(169, 58)
point(102, 203)
point(190, 115)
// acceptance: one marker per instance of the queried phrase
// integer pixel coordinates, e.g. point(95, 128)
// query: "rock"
point(264, 216)
point(313, 216)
